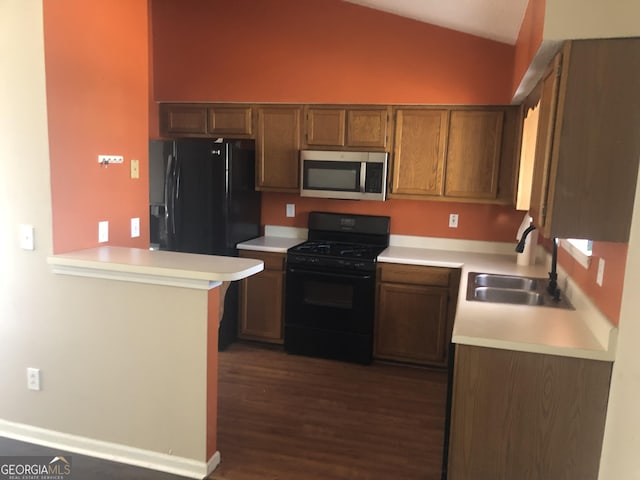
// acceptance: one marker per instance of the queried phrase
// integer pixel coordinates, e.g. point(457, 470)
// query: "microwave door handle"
point(363, 175)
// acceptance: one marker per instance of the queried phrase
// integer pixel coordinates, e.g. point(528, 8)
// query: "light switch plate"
point(291, 209)
point(600, 276)
point(135, 227)
point(135, 169)
point(103, 232)
point(27, 241)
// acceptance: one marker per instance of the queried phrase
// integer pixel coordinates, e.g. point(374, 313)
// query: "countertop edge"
point(155, 274)
point(600, 355)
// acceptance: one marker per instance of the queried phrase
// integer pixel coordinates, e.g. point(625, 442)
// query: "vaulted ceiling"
point(498, 20)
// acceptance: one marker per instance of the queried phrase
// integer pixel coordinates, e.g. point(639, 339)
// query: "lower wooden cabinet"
point(519, 415)
point(262, 299)
point(415, 306)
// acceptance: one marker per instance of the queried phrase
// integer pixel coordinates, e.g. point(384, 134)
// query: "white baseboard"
point(115, 452)
point(213, 463)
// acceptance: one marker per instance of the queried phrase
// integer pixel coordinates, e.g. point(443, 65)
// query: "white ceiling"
point(494, 19)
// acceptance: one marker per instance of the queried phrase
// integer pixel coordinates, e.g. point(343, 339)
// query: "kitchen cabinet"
point(473, 153)
point(349, 127)
point(230, 121)
point(526, 415)
point(455, 154)
point(415, 307)
point(227, 120)
point(587, 146)
point(183, 120)
point(419, 152)
point(277, 148)
point(262, 299)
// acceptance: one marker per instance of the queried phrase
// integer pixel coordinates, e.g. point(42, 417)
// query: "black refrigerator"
point(203, 200)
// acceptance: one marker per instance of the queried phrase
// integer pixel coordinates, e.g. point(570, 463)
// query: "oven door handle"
point(364, 276)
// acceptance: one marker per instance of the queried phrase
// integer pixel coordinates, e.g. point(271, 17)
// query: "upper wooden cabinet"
point(325, 126)
point(236, 121)
point(463, 154)
point(419, 152)
point(277, 148)
point(349, 127)
point(473, 154)
point(228, 120)
point(588, 147)
point(183, 119)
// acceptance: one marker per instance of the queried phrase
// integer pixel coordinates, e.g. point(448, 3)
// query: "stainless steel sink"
point(505, 281)
point(508, 295)
point(512, 289)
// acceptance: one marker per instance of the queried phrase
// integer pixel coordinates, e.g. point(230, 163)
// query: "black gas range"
point(330, 286)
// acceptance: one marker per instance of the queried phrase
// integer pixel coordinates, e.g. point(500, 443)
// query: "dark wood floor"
point(284, 417)
point(290, 417)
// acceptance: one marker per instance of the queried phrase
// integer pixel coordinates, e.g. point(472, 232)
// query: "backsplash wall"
point(408, 217)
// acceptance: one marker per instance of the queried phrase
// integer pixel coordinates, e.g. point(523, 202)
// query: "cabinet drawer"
point(414, 274)
point(272, 260)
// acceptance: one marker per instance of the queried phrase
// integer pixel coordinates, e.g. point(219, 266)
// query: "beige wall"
point(620, 459)
point(565, 19)
point(116, 358)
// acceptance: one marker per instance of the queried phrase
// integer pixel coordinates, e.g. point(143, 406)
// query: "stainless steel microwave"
point(338, 174)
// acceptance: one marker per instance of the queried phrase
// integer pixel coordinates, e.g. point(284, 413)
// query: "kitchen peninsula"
point(169, 314)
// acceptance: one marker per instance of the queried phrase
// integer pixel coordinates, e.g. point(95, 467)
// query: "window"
point(579, 249)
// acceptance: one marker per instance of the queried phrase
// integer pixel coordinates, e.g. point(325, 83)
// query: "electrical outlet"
point(103, 232)
point(600, 275)
point(135, 227)
point(109, 159)
point(27, 237)
point(33, 378)
point(453, 220)
point(135, 169)
point(291, 209)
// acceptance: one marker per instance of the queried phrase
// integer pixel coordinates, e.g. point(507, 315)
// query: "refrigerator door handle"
point(168, 216)
point(176, 192)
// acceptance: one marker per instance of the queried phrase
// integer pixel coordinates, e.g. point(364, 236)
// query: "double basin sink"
point(512, 289)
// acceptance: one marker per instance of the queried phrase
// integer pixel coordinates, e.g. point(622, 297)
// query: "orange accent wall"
point(608, 297)
point(408, 217)
point(529, 39)
point(331, 51)
point(96, 60)
point(319, 51)
point(213, 320)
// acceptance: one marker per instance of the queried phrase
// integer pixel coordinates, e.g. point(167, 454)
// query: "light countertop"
point(270, 244)
point(581, 333)
point(155, 267)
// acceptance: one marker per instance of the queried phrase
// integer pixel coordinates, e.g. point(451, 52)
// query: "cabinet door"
point(183, 119)
point(520, 415)
point(411, 323)
point(544, 143)
point(231, 121)
point(418, 161)
point(261, 300)
point(278, 144)
point(473, 154)
point(367, 128)
point(325, 126)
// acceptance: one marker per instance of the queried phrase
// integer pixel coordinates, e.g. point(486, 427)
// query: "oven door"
point(339, 301)
point(330, 314)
